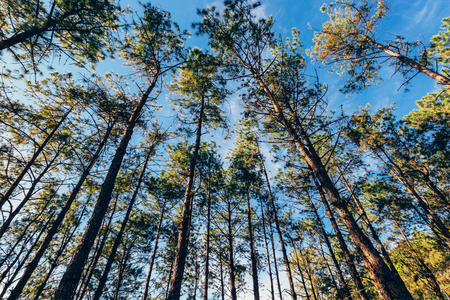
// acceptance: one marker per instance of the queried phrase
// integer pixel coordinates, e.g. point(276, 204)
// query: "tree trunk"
point(300, 271)
point(22, 236)
point(15, 293)
point(406, 60)
point(266, 244)
point(73, 272)
point(185, 226)
point(155, 247)
point(369, 225)
point(65, 242)
point(398, 173)
point(348, 258)
point(122, 265)
point(252, 249)
point(278, 228)
point(27, 197)
point(222, 284)
point(331, 251)
point(275, 264)
point(20, 265)
point(98, 252)
point(32, 160)
point(118, 240)
point(208, 236)
point(231, 254)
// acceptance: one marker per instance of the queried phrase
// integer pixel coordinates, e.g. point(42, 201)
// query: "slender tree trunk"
point(15, 293)
point(222, 283)
point(123, 263)
point(266, 244)
point(331, 251)
point(20, 265)
point(21, 37)
point(278, 228)
point(22, 236)
point(208, 236)
point(17, 254)
point(155, 247)
point(252, 249)
point(118, 240)
point(400, 176)
point(435, 189)
point(369, 225)
point(27, 197)
point(348, 258)
point(275, 264)
point(322, 253)
point(185, 226)
point(98, 252)
point(55, 263)
point(309, 273)
point(32, 160)
point(231, 254)
point(71, 277)
point(300, 271)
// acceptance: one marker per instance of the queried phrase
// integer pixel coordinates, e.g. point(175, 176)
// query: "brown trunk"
point(222, 283)
point(32, 160)
point(20, 265)
point(266, 244)
point(185, 226)
point(331, 251)
point(436, 190)
point(208, 236)
point(231, 254)
point(406, 60)
point(275, 264)
point(71, 277)
point(369, 225)
point(15, 293)
point(322, 253)
point(348, 258)
point(27, 197)
point(308, 272)
point(17, 253)
point(280, 235)
point(97, 254)
point(99, 249)
point(118, 240)
point(155, 247)
point(122, 265)
point(12, 250)
point(252, 249)
point(34, 31)
point(55, 262)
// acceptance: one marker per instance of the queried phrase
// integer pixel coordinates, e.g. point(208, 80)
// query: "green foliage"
point(34, 30)
point(344, 41)
point(440, 46)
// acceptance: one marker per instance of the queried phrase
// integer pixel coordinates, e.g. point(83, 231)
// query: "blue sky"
point(415, 20)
